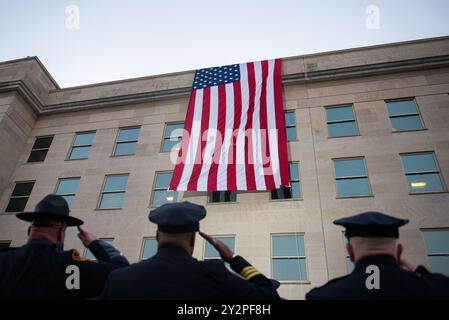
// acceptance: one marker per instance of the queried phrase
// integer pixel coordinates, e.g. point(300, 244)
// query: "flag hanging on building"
point(234, 132)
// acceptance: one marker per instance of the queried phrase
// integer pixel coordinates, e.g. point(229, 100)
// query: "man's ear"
point(61, 234)
point(399, 251)
point(350, 251)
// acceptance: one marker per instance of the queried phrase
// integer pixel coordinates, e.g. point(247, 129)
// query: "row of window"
point(341, 122)
point(289, 257)
point(351, 178)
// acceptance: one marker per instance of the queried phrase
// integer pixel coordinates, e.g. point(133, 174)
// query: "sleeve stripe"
point(252, 274)
point(247, 270)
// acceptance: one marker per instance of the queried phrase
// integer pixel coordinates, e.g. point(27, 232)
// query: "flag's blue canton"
point(214, 76)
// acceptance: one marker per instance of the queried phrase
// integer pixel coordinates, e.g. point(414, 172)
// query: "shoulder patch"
point(77, 257)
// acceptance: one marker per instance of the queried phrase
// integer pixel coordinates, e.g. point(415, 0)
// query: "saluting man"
point(380, 272)
point(40, 269)
point(174, 274)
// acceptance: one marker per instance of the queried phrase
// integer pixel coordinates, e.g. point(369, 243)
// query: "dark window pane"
point(42, 143)
point(223, 196)
point(112, 200)
point(68, 186)
point(288, 246)
point(174, 130)
point(291, 133)
point(429, 182)
point(353, 187)
point(169, 144)
point(149, 248)
point(37, 156)
point(289, 269)
point(439, 264)
point(406, 123)
point(349, 168)
point(401, 107)
point(211, 252)
point(79, 153)
point(84, 138)
point(116, 183)
point(161, 197)
point(342, 129)
point(294, 171)
point(339, 113)
point(22, 189)
point(128, 134)
point(163, 180)
point(281, 193)
point(16, 204)
point(128, 148)
point(4, 245)
point(424, 162)
point(289, 118)
point(437, 241)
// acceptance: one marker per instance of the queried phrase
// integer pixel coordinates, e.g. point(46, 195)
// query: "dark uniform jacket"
point(37, 270)
point(173, 274)
point(395, 283)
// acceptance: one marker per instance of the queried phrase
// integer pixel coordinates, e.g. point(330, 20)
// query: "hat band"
point(370, 232)
point(179, 229)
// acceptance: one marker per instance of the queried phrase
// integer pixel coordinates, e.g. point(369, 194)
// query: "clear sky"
point(118, 39)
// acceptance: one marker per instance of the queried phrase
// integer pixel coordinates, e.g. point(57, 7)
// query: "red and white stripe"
point(234, 134)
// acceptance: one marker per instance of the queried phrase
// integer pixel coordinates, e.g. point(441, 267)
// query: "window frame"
point(40, 149)
point(8, 242)
point(417, 113)
point(439, 254)
point(87, 249)
point(204, 258)
point(209, 195)
point(351, 105)
point(72, 146)
point(291, 126)
point(153, 188)
point(15, 197)
point(116, 143)
point(443, 184)
point(164, 137)
point(369, 195)
point(109, 192)
point(65, 194)
point(142, 247)
point(272, 257)
point(297, 162)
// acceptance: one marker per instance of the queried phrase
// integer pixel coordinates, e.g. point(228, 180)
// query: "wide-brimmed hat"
point(51, 208)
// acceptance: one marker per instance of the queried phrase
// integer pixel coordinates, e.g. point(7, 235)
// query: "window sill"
point(414, 130)
point(294, 282)
point(355, 197)
point(76, 159)
point(288, 200)
point(352, 135)
point(221, 203)
point(107, 209)
point(430, 192)
point(122, 155)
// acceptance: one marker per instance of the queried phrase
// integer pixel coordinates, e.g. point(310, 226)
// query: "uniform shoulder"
point(75, 255)
point(332, 282)
point(9, 249)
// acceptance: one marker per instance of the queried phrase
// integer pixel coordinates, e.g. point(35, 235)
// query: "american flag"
point(234, 131)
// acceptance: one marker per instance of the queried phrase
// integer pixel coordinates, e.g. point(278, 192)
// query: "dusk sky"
point(83, 42)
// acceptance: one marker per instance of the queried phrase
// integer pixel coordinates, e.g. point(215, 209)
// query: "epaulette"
point(76, 256)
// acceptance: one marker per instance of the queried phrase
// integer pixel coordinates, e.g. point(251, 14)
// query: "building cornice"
point(289, 79)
